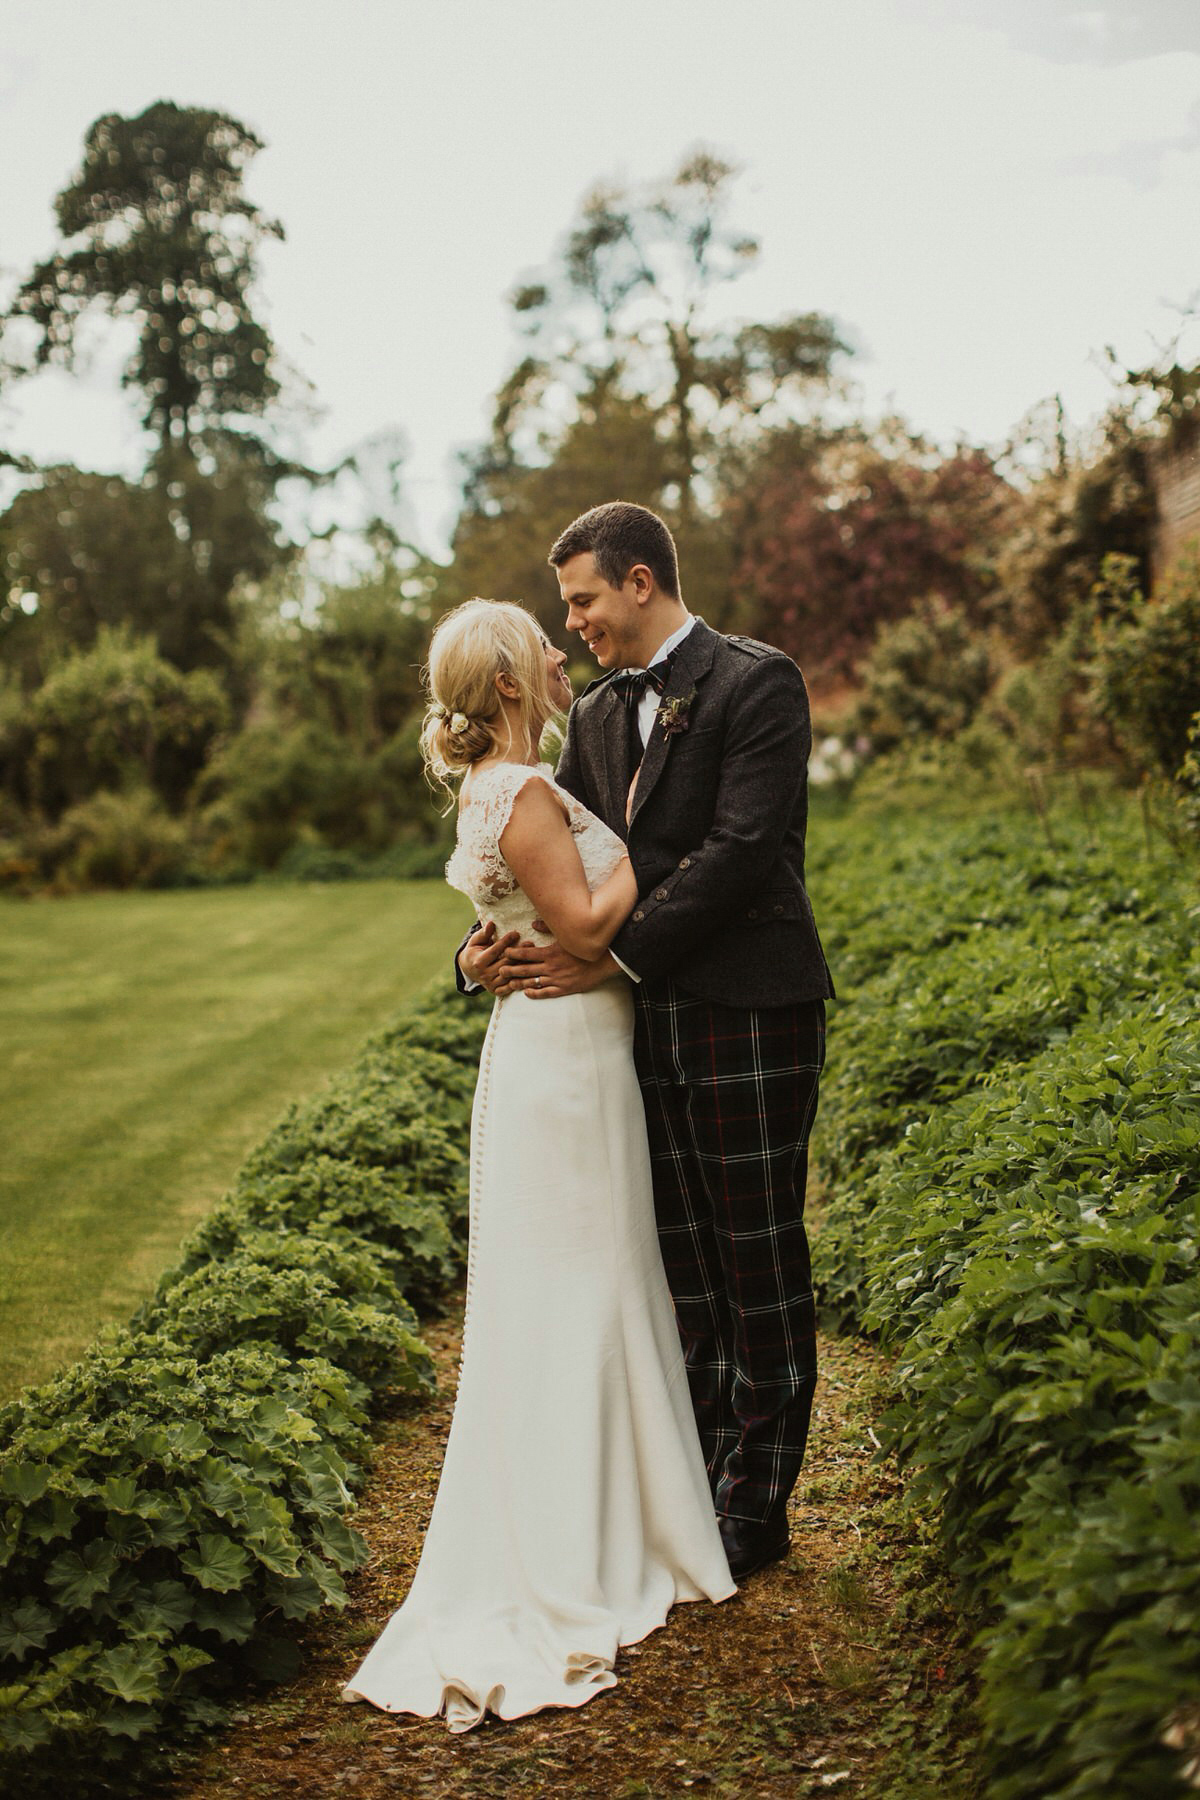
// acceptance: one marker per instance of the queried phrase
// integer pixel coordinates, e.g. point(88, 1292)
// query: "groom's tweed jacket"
point(716, 837)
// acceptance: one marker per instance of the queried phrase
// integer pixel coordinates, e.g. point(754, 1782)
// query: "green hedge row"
point(173, 1502)
point(1011, 1135)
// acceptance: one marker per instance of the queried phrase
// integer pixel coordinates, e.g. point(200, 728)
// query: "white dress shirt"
point(647, 712)
point(650, 702)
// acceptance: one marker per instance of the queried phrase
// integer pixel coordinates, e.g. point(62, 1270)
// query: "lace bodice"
point(478, 869)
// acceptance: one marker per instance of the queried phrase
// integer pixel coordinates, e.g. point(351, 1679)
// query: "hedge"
point(1011, 1140)
point(171, 1504)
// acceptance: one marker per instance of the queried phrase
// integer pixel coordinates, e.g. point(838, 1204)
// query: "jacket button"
point(753, 913)
point(639, 915)
point(660, 893)
point(686, 863)
point(778, 911)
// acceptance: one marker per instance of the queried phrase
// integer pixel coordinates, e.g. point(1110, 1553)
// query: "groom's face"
point(608, 619)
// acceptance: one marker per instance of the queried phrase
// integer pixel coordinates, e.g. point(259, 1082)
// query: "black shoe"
point(749, 1546)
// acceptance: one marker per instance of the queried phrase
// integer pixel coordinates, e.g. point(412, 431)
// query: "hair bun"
point(464, 719)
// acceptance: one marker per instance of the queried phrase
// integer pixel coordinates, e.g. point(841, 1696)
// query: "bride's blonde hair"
point(471, 646)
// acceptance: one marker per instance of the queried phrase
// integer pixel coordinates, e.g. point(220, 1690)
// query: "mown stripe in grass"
point(149, 1041)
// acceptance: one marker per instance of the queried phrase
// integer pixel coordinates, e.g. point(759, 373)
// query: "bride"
point(573, 1509)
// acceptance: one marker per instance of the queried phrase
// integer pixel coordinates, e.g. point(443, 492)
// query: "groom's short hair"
point(620, 534)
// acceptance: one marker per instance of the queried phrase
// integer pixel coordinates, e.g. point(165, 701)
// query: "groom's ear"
point(641, 579)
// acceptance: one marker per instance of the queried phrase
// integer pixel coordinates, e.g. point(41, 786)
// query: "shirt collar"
point(673, 642)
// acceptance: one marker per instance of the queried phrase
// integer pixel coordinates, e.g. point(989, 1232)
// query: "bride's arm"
point(539, 849)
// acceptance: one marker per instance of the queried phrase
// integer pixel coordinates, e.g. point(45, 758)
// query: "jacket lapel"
point(617, 771)
point(693, 660)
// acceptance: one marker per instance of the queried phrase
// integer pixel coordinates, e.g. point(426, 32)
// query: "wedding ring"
point(537, 981)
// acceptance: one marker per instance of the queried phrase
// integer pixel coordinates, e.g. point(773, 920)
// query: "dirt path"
point(824, 1674)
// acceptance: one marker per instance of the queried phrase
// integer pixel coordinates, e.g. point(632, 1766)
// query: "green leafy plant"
point(1011, 1138)
point(1146, 671)
point(925, 675)
point(1188, 780)
point(170, 1505)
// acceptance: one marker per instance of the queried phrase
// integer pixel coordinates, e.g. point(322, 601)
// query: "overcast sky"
point(983, 192)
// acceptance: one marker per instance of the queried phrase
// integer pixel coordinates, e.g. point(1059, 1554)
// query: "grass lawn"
point(149, 1041)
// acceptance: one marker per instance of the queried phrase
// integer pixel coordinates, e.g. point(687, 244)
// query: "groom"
point(694, 747)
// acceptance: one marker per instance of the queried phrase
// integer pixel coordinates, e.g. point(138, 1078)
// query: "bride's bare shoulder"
point(542, 800)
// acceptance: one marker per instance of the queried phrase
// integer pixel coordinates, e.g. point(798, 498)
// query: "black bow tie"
point(631, 684)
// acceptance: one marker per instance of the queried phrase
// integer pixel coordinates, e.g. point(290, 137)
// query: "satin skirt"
point(573, 1509)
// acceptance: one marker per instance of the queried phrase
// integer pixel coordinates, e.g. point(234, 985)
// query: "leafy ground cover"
point(149, 1041)
point(1012, 1135)
point(173, 1501)
point(1010, 1151)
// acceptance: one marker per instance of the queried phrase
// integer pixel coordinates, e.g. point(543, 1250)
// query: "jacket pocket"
point(774, 904)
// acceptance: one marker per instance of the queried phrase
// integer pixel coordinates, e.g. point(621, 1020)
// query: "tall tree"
point(630, 310)
point(159, 229)
point(353, 662)
point(80, 551)
point(500, 545)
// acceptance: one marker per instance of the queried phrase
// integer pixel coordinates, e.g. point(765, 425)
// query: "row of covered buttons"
point(661, 893)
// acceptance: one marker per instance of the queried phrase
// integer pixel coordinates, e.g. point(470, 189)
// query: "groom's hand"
point(546, 971)
point(482, 956)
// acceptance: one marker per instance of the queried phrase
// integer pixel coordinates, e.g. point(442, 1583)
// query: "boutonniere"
point(673, 713)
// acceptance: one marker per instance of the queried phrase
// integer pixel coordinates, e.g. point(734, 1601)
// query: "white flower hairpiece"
point(456, 722)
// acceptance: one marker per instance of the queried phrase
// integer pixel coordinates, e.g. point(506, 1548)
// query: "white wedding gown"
point(573, 1509)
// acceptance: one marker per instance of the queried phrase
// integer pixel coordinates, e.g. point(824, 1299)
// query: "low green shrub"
point(121, 840)
point(1011, 1137)
point(957, 775)
point(1146, 667)
point(1101, 1130)
point(929, 1028)
point(1188, 782)
point(319, 862)
point(162, 1513)
point(273, 785)
point(1045, 706)
point(1047, 1294)
point(413, 859)
point(344, 1206)
point(112, 840)
point(115, 715)
point(925, 676)
point(263, 1293)
point(387, 1113)
point(170, 1504)
point(307, 799)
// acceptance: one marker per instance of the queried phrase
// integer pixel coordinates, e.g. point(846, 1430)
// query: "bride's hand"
point(482, 956)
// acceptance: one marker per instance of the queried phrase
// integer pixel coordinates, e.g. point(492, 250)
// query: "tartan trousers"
point(730, 1096)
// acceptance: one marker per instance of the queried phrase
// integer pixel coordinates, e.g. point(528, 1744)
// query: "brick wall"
point(1175, 474)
